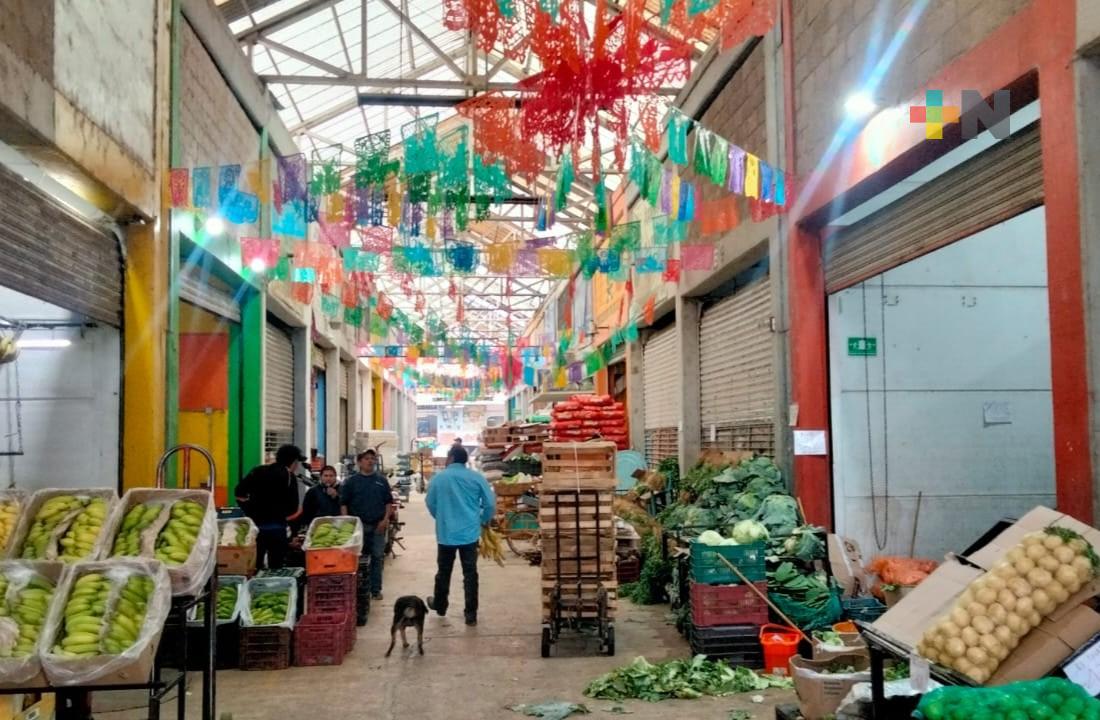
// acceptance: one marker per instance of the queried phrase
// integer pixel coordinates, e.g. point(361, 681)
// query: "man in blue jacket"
point(461, 502)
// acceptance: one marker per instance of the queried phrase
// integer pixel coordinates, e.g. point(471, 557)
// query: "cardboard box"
point(1045, 647)
point(820, 693)
point(1065, 630)
point(846, 562)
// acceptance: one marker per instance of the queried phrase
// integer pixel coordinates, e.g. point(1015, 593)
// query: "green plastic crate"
point(706, 567)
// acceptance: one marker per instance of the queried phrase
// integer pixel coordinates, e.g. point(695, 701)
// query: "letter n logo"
point(978, 115)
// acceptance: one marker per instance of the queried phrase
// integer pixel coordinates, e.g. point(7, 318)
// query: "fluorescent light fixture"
point(257, 265)
point(859, 105)
point(214, 225)
point(43, 343)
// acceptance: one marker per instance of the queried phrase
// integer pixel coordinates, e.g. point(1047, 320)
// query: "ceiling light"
point(214, 225)
point(257, 265)
point(43, 343)
point(859, 105)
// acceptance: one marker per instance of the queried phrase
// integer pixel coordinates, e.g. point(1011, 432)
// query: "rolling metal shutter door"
point(345, 383)
point(345, 378)
point(278, 388)
point(50, 254)
point(208, 293)
point(990, 188)
point(661, 363)
point(736, 371)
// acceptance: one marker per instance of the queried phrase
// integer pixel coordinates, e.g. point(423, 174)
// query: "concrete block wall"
point(836, 42)
point(214, 129)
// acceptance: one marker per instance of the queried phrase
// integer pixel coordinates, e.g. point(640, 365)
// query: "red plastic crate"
point(320, 640)
point(331, 593)
point(265, 648)
point(714, 605)
point(352, 633)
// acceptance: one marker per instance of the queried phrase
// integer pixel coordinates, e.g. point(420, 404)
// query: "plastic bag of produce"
point(272, 602)
point(177, 527)
point(63, 524)
point(232, 598)
point(237, 532)
point(26, 589)
point(335, 532)
point(1047, 698)
point(12, 503)
point(106, 629)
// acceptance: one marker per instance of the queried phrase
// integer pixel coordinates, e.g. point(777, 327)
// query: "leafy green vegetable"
point(740, 715)
point(779, 513)
point(897, 671)
point(655, 575)
point(684, 679)
point(805, 543)
point(827, 637)
point(556, 710)
point(806, 598)
point(837, 668)
point(749, 531)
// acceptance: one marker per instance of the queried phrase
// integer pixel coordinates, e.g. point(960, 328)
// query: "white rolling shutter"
point(345, 378)
point(205, 291)
point(661, 366)
point(737, 379)
point(278, 388)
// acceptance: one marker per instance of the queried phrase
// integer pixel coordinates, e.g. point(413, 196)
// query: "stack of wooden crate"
point(577, 527)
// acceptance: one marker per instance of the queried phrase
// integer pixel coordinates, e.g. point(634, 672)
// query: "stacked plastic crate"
point(726, 613)
point(326, 632)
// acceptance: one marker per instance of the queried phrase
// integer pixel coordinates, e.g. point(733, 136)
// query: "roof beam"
point(307, 59)
point(410, 81)
point(409, 24)
point(284, 19)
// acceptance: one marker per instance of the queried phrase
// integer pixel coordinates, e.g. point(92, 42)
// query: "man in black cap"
point(269, 495)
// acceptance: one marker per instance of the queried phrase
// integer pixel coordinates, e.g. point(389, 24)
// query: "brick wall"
point(834, 53)
point(214, 129)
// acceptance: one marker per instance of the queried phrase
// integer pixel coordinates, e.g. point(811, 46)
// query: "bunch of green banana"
point(128, 617)
point(84, 617)
point(270, 607)
point(139, 517)
point(331, 533)
point(51, 514)
point(227, 600)
point(27, 609)
point(178, 535)
point(9, 516)
point(79, 540)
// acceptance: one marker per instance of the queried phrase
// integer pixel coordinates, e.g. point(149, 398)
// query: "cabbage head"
point(746, 505)
point(779, 514)
point(697, 517)
point(762, 487)
point(749, 531)
point(709, 537)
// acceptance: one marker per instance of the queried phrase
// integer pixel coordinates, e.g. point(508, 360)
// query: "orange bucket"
point(845, 627)
point(780, 645)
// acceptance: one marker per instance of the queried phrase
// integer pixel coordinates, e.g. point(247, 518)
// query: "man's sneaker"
point(376, 596)
point(431, 606)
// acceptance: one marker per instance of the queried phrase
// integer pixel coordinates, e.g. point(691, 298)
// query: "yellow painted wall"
point(378, 422)
point(205, 429)
point(143, 368)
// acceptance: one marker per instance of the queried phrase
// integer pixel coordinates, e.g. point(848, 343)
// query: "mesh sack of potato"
point(996, 610)
point(106, 617)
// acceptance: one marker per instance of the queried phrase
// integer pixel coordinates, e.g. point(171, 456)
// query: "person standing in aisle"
point(269, 496)
point(322, 500)
point(367, 495)
point(461, 501)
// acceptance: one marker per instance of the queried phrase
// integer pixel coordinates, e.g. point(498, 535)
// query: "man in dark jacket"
point(322, 500)
point(269, 495)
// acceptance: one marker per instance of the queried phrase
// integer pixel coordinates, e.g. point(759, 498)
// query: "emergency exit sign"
point(862, 346)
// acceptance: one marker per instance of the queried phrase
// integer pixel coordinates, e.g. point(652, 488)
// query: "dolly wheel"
point(546, 642)
point(609, 641)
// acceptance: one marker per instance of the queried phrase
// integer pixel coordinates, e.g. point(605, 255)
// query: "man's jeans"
point(271, 546)
point(374, 544)
point(446, 561)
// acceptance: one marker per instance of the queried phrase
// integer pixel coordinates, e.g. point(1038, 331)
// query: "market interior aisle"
point(466, 673)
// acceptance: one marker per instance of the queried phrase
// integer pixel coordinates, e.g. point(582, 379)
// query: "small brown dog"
point(409, 611)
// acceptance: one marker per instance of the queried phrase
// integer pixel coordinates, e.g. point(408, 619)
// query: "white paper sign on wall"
point(810, 442)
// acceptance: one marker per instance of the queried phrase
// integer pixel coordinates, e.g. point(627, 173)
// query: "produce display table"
point(882, 647)
point(75, 703)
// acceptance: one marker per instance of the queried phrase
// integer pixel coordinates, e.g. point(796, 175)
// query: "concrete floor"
point(466, 673)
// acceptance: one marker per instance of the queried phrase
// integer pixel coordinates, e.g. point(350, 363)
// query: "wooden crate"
point(567, 466)
point(496, 435)
point(513, 490)
point(587, 601)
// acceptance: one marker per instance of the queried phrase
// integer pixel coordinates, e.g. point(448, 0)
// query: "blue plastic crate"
point(707, 568)
point(863, 609)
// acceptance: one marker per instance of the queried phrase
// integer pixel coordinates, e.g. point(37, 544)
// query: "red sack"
point(612, 414)
point(567, 425)
point(567, 405)
point(593, 400)
point(568, 415)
